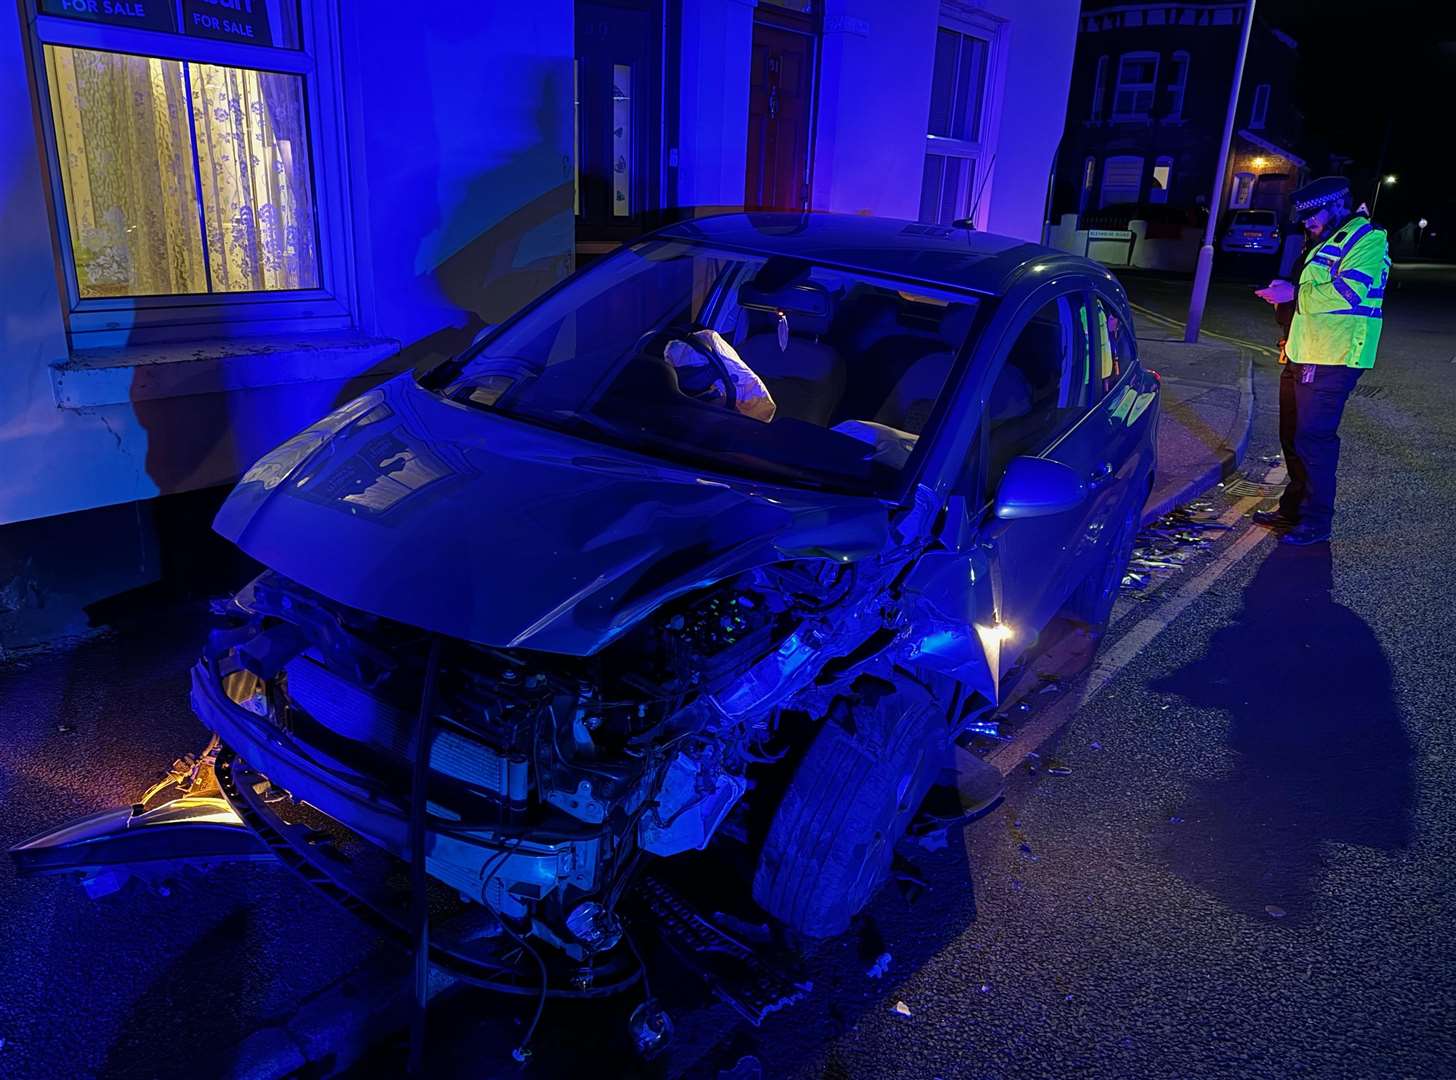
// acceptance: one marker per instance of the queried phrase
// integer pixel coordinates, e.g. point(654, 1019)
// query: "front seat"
point(806, 377)
point(915, 393)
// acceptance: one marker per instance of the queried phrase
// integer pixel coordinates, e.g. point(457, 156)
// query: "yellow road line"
point(1174, 324)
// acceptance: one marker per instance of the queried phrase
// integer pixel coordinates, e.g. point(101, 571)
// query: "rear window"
point(1255, 217)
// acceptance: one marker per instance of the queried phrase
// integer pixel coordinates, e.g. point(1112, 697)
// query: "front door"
point(780, 98)
point(618, 72)
point(1039, 406)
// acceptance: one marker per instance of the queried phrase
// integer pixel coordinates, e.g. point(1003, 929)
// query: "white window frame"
point(971, 22)
point(1235, 201)
point(1150, 88)
point(98, 321)
point(1179, 88)
point(1259, 110)
point(1099, 90)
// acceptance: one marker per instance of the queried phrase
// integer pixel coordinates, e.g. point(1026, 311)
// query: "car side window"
point(1041, 390)
point(1112, 348)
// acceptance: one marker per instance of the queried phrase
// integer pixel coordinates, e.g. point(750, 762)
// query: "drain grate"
point(1241, 488)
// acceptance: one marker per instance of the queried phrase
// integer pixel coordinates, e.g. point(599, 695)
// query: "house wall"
point(717, 40)
point(1042, 38)
point(874, 99)
point(456, 221)
point(458, 153)
point(456, 209)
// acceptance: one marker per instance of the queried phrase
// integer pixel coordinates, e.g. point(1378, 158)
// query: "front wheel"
point(857, 789)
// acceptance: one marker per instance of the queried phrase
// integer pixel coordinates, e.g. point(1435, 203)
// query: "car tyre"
point(852, 798)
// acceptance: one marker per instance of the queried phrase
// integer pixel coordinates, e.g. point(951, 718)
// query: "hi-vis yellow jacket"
point(1341, 291)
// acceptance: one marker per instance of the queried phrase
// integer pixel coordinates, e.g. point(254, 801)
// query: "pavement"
point(1207, 409)
point(251, 969)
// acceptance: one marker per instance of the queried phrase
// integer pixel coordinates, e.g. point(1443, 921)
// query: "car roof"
point(936, 254)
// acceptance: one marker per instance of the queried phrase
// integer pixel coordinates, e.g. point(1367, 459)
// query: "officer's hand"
point(1278, 291)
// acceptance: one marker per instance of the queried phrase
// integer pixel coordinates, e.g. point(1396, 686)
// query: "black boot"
point(1274, 519)
point(1302, 535)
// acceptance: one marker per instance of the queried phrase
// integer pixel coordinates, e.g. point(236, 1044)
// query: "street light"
point(1204, 268)
point(1378, 183)
point(1422, 235)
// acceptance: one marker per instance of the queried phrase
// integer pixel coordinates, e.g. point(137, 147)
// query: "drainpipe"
point(1046, 213)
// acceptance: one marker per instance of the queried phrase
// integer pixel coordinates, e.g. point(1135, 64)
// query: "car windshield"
point(757, 365)
point(1263, 218)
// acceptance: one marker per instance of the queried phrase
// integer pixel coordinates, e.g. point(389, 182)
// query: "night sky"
point(1378, 83)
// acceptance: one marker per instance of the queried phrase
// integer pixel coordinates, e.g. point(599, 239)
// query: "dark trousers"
point(1309, 425)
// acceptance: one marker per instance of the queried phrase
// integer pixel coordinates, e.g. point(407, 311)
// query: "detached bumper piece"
point(736, 974)
point(108, 848)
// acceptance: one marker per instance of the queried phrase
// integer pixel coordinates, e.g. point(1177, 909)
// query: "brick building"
point(1150, 87)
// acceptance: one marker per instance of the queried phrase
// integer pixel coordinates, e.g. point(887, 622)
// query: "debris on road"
point(1275, 911)
point(1059, 770)
point(902, 1009)
point(880, 967)
point(1166, 545)
point(989, 728)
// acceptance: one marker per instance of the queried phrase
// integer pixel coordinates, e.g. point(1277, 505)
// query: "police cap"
point(1317, 194)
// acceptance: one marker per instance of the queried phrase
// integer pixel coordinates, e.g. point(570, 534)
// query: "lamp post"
point(1204, 271)
point(1422, 234)
point(1383, 180)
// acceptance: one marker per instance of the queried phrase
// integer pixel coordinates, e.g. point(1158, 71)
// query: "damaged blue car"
point(732, 535)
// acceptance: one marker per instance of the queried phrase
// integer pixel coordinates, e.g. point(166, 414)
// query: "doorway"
point(618, 112)
point(780, 113)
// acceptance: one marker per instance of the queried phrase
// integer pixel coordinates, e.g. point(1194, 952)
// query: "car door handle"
point(1101, 476)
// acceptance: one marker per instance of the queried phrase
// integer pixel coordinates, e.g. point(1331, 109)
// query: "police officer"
point(1332, 341)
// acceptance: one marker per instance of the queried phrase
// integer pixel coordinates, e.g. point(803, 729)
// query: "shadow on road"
point(1321, 754)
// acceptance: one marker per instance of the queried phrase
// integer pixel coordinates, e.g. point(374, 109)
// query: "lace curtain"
point(145, 177)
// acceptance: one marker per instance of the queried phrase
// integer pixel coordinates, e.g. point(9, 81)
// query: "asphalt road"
point(1245, 873)
point(1248, 872)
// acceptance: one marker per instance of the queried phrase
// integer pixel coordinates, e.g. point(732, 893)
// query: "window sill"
point(115, 376)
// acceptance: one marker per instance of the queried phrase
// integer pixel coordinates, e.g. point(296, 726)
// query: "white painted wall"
point(460, 168)
point(875, 100)
point(717, 48)
point(460, 173)
point(50, 461)
point(1041, 41)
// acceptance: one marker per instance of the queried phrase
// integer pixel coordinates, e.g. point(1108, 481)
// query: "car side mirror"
point(1037, 487)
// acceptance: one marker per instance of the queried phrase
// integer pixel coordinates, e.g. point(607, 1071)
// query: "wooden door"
point(780, 111)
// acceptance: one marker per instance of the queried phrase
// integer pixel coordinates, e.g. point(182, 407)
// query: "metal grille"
point(349, 711)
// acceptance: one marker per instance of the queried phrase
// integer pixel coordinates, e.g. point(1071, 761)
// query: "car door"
point(1045, 402)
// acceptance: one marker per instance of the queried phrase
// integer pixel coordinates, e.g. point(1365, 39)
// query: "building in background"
point(1150, 90)
point(222, 218)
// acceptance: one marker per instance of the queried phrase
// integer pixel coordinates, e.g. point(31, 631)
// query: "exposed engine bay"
point(551, 776)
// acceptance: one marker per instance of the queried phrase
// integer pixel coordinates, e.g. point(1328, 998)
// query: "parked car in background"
point(733, 532)
point(1252, 231)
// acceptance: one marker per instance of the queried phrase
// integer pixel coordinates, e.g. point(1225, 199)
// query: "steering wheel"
point(654, 344)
